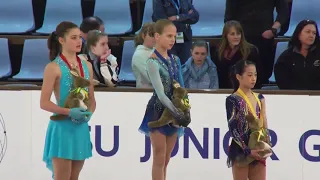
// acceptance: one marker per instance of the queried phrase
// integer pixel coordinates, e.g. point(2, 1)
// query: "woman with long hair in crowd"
point(162, 69)
point(233, 48)
point(67, 143)
point(241, 103)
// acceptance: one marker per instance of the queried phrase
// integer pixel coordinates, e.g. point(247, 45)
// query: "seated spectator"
point(233, 48)
point(105, 69)
point(199, 72)
point(298, 67)
point(89, 24)
point(144, 42)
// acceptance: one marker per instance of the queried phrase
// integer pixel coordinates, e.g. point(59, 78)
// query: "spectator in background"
point(97, 52)
point(144, 42)
point(89, 24)
point(199, 72)
point(233, 48)
point(257, 20)
point(299, 66)
point(182, 14)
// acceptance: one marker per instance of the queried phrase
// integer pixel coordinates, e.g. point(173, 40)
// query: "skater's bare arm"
point(50, 76)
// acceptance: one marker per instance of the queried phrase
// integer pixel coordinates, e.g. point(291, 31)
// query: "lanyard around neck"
point(171, 68)
point(245, 97)
point(69, 66)
point(177, 5)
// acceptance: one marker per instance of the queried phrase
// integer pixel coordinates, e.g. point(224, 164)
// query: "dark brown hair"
point(244, 46)
point(90, 23)
point(53, 43)
point(147, 29)
point(200, 43)
point(238, 68)
point(92, 39)
point(295, 41)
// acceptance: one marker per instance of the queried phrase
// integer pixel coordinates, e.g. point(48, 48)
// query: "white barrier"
point(120, 150)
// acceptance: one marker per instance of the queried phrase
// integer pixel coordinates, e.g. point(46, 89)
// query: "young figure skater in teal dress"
point(162, 69)
point(67, 142)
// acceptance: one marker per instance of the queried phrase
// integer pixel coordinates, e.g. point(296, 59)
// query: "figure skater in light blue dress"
point(67, 142)
point(162, 68)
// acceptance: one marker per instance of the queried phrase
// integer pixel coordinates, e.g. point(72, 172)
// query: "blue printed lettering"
point(189, 135)
point(202, 147)
point(98, 141)
point(302, 146)
point(216, 143)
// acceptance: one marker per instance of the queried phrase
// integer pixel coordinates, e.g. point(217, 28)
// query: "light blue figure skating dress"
point(159, 72)
point(66, 139)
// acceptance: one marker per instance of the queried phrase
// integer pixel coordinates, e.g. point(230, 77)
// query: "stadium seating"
point(60, 10)
point(35, 57)
point(16, 16)
point(211, 18)
point(116, 15)
point(147, 13)
point(5, 64)
point(302, 9)
point(126, 74)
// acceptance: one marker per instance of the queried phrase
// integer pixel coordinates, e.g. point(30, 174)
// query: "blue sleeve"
point(191, 18)
point(155, 79)
point(236, 121)
point(158, 11)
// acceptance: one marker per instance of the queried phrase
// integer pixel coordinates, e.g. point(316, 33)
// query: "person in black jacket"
point(182, 14)
point(233, 48)
point(260, 28)
point(298, 67)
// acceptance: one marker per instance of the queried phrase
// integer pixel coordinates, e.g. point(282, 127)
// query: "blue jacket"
point(162, 9)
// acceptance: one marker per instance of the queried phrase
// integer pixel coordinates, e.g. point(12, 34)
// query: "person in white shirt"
point(97, 52)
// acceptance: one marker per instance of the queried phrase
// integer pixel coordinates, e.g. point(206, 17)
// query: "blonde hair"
point(244, 46)
point(147, 29)
point(161, 24)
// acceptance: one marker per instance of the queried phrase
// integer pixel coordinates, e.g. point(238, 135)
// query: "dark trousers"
point(266, 52)
point(182, 50)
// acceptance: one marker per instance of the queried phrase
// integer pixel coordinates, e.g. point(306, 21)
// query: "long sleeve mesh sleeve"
point(155, 79)
point(236, 121)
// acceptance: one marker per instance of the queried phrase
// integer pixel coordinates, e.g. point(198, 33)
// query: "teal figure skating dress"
point(66, 139)
point(161, 74)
